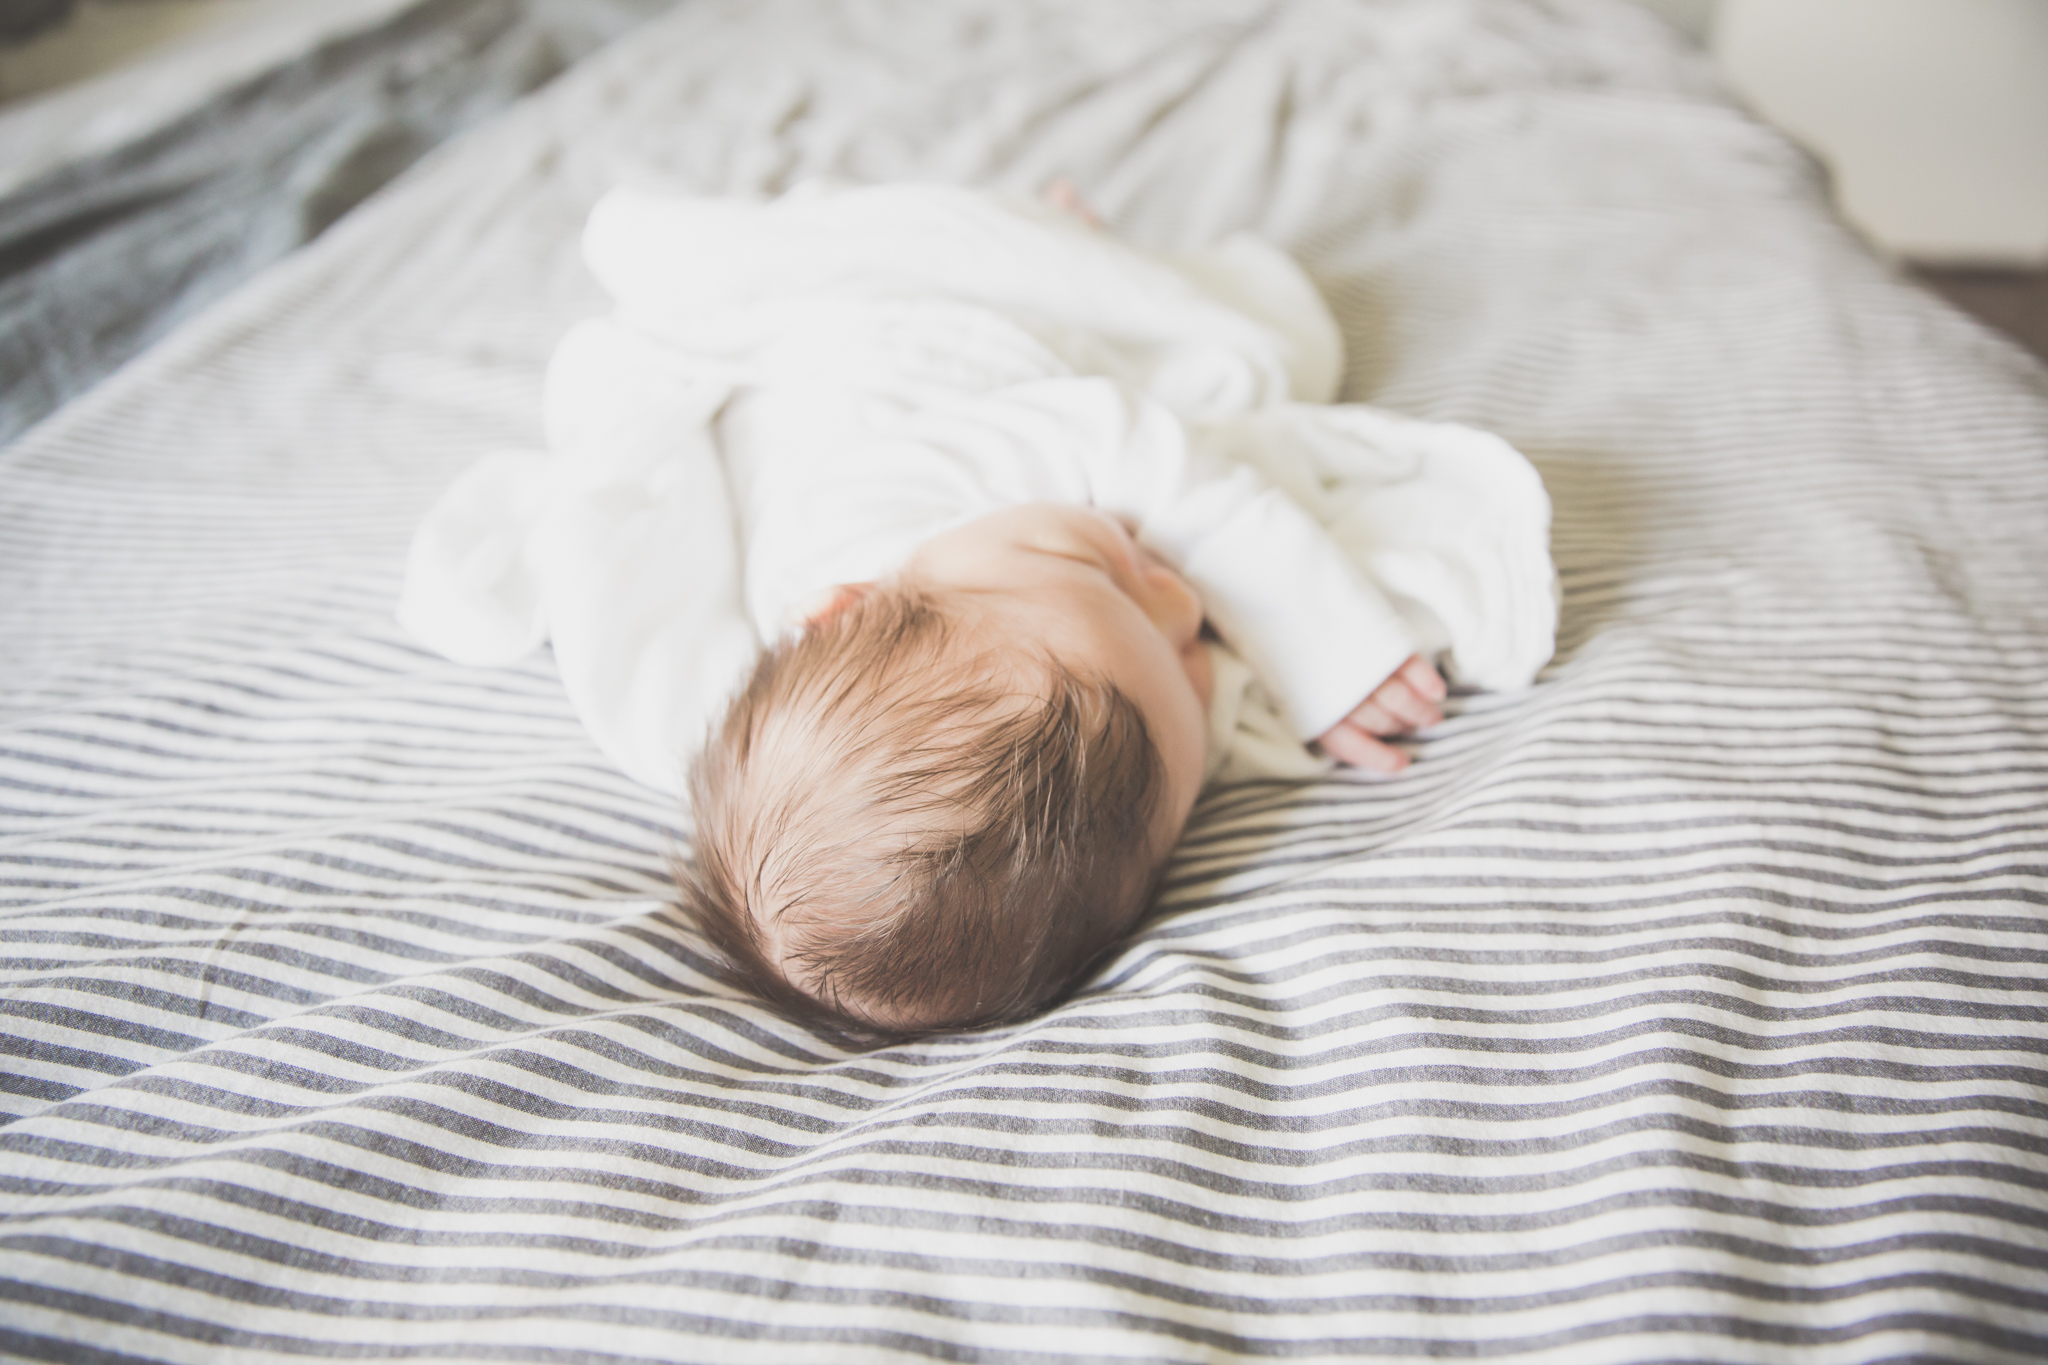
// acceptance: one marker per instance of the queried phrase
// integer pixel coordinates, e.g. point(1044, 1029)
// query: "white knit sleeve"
point(1317, 632)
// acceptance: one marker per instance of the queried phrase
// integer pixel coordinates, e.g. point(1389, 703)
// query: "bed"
point(1686, 1006)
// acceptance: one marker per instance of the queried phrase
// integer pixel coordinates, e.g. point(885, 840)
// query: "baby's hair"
point(898, 832)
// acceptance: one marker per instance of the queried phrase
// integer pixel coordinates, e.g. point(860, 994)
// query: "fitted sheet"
point(1688, 1005)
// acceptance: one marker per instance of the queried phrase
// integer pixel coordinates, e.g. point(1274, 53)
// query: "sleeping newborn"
point(961, 544)
point(950, 791)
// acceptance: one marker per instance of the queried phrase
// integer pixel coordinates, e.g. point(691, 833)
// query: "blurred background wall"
point(1932, 117)
point(1932, 114)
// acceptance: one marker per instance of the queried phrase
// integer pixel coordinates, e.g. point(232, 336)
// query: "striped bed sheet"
point(1687, 1006)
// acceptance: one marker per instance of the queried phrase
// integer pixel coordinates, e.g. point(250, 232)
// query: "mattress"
point(1688, 1005)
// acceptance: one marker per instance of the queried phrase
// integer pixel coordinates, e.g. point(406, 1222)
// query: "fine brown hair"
point(898, 833)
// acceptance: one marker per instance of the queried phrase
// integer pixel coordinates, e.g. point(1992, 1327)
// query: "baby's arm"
point(1408, 700)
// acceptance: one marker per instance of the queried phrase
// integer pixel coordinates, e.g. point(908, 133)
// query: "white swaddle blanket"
point(796, 393)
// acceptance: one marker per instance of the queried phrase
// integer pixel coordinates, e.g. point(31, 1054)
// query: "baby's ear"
point(831, 602)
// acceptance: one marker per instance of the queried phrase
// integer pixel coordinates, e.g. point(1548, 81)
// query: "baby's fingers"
point(1421, 675)
point(1396, 699)
point(1376, 719)
point(1347, 743)
point(1407, 700)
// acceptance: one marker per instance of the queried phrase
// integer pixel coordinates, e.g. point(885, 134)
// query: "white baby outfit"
point(796, 393)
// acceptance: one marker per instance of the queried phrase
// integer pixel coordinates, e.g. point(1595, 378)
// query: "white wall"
point(1932, 114)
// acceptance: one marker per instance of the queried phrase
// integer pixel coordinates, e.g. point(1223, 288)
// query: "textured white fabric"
point(844, 372)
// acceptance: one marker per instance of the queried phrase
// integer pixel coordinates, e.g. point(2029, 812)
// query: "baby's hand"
point(1406, 701)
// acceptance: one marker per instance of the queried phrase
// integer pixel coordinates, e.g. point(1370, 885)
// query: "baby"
point(951, 791)
point(978, 542)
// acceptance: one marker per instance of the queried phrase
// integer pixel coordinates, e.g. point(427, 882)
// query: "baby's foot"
point(1062, 195)
point(1410, 699)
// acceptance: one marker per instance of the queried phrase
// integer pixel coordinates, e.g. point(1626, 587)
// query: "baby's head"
point(954, 790)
